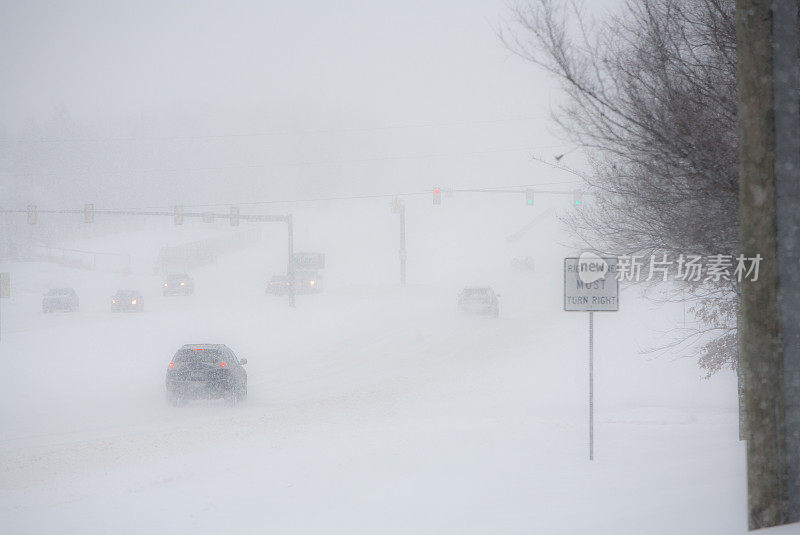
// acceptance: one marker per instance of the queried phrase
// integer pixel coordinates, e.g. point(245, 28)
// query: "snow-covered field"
point(372, 408)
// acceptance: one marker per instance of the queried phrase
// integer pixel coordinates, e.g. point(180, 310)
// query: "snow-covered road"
point(371, 409)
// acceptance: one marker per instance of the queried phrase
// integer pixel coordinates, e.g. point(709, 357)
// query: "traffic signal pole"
point(89, 212)
point(403, 254)
point(290, 266)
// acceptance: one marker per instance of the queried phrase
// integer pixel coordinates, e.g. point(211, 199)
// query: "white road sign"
point(309, 260)
point(590, 284)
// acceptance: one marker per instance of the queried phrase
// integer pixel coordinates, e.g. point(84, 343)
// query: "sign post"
point(399, 207)
point(591, 385)
point(591, 285)
point(5, 288)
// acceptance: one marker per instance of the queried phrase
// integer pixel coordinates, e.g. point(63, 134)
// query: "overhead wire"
point(279, 164)
point(276, 132)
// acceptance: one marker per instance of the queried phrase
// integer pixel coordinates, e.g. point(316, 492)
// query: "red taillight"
point(171, 364)
point(198, 349)
point(222, 365)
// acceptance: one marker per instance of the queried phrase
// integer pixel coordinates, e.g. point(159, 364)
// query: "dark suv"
point(206, 371)
point(178, 284)
point(60, 299)
point(479, 300)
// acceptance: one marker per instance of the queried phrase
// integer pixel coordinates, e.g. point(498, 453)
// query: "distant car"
point(127, 301)
point(279, 285)
point(479, 300)
point(305, 282)
point(523, 263)
point(178, 284)
point(64, 299)
point(308, 282)
point(206, 371)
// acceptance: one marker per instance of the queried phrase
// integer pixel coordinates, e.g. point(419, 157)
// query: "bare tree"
point(651, 97)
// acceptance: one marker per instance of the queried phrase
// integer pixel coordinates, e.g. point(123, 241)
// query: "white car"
point(479, 300)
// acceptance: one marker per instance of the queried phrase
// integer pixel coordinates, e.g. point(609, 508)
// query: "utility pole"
point(769, 341)
point(403, 253)
point(399, 207)
point(786, 90)
point(290, 265)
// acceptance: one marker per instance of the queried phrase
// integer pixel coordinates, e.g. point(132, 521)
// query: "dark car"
point(64, 299)
point(178, 284)
point(479, 300)
point(279, 285)
point(206, 371)
point(127, 301)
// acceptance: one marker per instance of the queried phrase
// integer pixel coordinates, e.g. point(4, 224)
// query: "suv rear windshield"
point(206, 356)
point(476, 292)
point(60, 291)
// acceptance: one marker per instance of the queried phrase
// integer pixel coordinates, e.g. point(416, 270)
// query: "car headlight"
point(134, 302)
point(183, 284)
point(165, 285)
point(312, 283)
point(113, 300)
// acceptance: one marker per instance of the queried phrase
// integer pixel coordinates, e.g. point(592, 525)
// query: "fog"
point(372, 406)
point(193, 102)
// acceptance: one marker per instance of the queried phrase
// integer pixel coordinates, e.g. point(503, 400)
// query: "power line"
point(559, 166)
point(286, 164)
point(277, 132)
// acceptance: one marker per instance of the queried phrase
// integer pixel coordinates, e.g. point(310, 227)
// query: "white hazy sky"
point(400, 60)
point(186, 70)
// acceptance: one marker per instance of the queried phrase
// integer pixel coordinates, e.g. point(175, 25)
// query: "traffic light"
point(234, 216)
point(88, 213)
point(437, 195)
point(31, 214)
point(577, 197)
point(529, 197)
point(179, 215)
